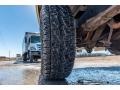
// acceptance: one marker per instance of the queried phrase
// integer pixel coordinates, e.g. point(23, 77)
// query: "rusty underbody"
point(99, 30)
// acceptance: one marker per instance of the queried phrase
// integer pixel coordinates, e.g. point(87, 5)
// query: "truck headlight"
point(32, 48)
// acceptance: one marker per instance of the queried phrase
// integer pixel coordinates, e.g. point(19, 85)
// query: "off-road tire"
point(58, 42)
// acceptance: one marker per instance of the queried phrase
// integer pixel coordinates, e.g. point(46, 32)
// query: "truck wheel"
point(58, 42)
point(25, 57)
point(31, 59)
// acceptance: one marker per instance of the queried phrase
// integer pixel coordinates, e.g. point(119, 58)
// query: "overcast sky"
point(14, 22)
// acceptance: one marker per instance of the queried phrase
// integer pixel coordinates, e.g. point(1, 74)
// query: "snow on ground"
point(86, 71)
point(95, 75)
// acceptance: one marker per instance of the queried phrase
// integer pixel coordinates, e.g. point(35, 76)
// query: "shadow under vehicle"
point(65, 28)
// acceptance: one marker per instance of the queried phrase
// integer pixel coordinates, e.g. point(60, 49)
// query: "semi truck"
point(64, 28)
point(31, 48)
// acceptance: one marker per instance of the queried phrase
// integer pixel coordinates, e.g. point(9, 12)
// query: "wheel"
point(31, 59)
point(35, 59)
point(25, 57)
point(58, 42)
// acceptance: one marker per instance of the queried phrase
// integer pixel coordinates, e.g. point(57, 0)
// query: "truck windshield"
point(35, 39)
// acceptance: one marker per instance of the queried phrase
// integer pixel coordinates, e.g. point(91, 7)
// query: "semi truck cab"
point(31, 47)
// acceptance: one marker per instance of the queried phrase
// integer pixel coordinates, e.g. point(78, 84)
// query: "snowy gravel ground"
point(86, 71)
point(95, 76)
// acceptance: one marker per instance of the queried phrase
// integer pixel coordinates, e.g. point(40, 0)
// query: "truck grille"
point(39, 46)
